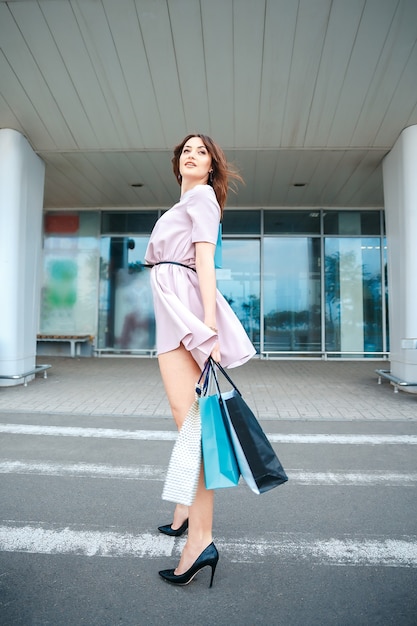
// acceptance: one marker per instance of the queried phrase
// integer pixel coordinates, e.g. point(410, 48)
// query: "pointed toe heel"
point(168, 530)
point(208, 558)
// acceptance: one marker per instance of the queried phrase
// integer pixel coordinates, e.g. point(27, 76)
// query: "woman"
point(193, 320)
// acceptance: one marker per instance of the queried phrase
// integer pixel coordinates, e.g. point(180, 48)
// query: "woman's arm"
point(204, 264)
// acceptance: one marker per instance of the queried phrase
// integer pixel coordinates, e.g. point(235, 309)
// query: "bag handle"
point(201, 387)
point(213, 364)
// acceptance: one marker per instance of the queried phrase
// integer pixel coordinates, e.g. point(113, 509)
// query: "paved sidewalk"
point(274, 389)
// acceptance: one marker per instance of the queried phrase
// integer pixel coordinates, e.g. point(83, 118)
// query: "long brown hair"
point(223, 172)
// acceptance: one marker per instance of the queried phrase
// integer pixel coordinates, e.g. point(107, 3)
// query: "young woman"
point(193, 320)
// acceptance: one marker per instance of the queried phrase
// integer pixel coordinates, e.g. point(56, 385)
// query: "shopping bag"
point(242, 462)
point(185, 463)
point(257, 460)
point(219, 460)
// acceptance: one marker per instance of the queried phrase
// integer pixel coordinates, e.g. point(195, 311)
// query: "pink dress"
point(178, 306)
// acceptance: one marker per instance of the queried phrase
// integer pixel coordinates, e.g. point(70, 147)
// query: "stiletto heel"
point(168, 530)
point(213, 569)
point(209, 557)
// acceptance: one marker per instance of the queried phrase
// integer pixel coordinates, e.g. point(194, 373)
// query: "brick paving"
point(275, 389)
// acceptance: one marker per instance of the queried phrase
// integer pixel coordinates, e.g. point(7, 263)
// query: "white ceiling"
point(296, 91)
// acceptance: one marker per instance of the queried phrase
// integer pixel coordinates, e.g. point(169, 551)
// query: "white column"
point(22, 175)
point(400, 191)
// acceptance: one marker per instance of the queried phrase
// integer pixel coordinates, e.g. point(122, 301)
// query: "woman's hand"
point(215, 353)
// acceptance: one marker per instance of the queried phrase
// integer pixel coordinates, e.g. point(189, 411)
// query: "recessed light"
point(136, 185)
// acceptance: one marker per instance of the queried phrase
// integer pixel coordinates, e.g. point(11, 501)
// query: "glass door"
point(239, 282)
point(354, 301)
point(291, 278)
point(126, 319)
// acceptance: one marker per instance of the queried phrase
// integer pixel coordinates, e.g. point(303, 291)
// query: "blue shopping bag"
point(219, 460)
point(257, 461)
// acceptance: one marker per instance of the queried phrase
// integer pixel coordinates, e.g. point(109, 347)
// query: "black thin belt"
point(172, 263)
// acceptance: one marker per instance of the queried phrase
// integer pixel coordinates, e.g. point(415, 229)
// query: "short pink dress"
point(178, 306)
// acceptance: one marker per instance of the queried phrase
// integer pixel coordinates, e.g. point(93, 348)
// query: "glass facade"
point(302, 282)
point(292, 294)
point(239, 282)
point(353, 287)
point(70, 277)
point(125, 314)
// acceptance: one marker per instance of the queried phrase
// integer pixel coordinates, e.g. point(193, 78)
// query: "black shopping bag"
point(259, 456)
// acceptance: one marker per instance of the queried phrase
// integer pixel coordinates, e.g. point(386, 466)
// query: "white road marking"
point(359, 479)
point(38, 540)
point(334, 551)
point(369, 440)
point(157, 473)
point(86, 470)
point(168, 435)
point(102, 433)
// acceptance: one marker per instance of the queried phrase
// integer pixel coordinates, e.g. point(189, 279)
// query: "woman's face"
point(195, 161)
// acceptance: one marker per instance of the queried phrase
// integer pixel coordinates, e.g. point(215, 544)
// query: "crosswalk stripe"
point(360, 479)
point(168, 435)
point(335, 551)
point(102, 433)
point(157, 473)
point(88, 470)
point(368, 440)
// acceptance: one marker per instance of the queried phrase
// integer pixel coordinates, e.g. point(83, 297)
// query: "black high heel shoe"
point(168, 530)
point(209, 557)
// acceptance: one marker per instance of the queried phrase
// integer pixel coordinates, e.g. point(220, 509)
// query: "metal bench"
point(145, 352)
point(74, 341)
point(26, 375)
point(397, 382)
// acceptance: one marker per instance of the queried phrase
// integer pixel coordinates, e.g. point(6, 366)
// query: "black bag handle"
point(201, 388)
point(213, 365)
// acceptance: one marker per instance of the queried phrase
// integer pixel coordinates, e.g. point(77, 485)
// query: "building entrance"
point(303, 283)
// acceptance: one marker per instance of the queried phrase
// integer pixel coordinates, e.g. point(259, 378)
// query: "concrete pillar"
point(400, 191)
point(22, 175)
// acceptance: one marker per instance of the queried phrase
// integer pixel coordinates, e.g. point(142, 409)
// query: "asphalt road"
point(80, 500)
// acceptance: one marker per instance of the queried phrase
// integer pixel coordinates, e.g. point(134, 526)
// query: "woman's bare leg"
point(180, 373)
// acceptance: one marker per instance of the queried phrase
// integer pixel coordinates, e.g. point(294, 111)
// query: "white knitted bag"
point(184, 465)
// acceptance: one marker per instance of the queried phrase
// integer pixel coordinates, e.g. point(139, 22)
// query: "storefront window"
point(288, 222)
point(353, 223)
point(238, 281)
point(241, 222)
point(385, 283)
point(126, 318)
point(291, 294)
point(132, 223)
point(70, 277)
point(353, 295)
point(309, 282)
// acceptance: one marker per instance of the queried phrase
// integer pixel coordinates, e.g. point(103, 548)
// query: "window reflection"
point(355, 223)
point(238, 281)
point(126, 318)
point(69, 289)
point(353, 295)
point(242, 222)
point(297, 222)
point(292, 294)
point(304, 269)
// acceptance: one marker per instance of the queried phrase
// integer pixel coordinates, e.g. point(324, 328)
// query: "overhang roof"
point(295, 91)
